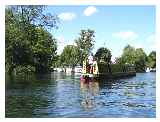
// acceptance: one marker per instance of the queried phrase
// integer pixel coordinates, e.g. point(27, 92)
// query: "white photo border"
point(156, 3)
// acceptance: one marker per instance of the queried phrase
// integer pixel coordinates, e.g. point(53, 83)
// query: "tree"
point(34, 15)
point(16, 46)
point(120, 60)
point(70, 56)
point(128, 55)
point(135, 57)
point(151, 60)
point(44, 50)
point(85, 42)
point(104, 55)
point(56, 62)
point(140, 60)
point(27, 38)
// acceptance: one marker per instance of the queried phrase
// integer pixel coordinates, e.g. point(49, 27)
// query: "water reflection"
point(64, 95)
point(88, 91)
point(25, 95)
point(91, 89)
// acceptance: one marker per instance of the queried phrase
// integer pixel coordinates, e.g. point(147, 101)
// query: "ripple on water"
point(61, 95)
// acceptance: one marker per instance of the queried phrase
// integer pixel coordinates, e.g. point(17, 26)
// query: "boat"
point(89, 72)
point(101, 70)
point(153, 70)
point(147, 70)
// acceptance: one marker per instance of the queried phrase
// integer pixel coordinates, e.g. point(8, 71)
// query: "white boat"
point(147, 70)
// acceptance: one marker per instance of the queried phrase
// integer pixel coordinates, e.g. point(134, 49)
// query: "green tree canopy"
point(34, 14)
point(70, 56)
point(128, 55)
point(85, 42)
point(151, 60)
point(140, 60)
point(103, 55)
point(44, 50)
point(16, 44)
point(134, 56)
point(27, 39)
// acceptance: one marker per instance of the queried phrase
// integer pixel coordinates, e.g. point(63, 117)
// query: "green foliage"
point(22, 70)
point(85, 42)
point(56, 61)
point(115, 68)
point(16, 47)
point(140, 60)
point(35, 15)
point(103, 55)
point(122, 68)
point(128, 55)
point(103, 67)
point(133, 56)
point(118, 68)
point(70, 56)
point(120, 60)
point(151, 60)
point(27, 40)
point(44, 50)
point(29, 44)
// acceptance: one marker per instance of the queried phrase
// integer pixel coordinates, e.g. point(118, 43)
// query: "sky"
point(114, 26)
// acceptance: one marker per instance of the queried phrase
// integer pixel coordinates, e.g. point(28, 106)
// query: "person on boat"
point(90, 61)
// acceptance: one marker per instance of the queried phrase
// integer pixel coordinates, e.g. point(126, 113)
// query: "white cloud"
point(90, 10)
point(67, 16)
point(126, 35)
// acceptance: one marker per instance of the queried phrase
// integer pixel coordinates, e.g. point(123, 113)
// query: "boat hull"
point(87, 77)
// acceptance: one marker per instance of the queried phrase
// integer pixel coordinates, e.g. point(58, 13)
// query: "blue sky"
point(115, 26)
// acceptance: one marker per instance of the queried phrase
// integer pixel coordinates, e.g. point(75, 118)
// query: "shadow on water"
point(24, 94)
point(28, 95)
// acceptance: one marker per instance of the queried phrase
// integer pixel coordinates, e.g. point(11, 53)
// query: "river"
point(63, 95)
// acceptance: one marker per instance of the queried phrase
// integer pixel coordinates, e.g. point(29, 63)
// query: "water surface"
point(63, 95)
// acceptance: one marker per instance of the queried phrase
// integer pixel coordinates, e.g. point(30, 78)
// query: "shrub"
point(27, 69)
point(103, 68)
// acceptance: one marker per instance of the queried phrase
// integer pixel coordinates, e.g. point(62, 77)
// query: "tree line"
point(73, 55)
point(28, 44)
point(138, 58)
point(30, 47)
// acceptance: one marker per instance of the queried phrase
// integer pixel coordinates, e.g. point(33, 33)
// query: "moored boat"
point(101, 70)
